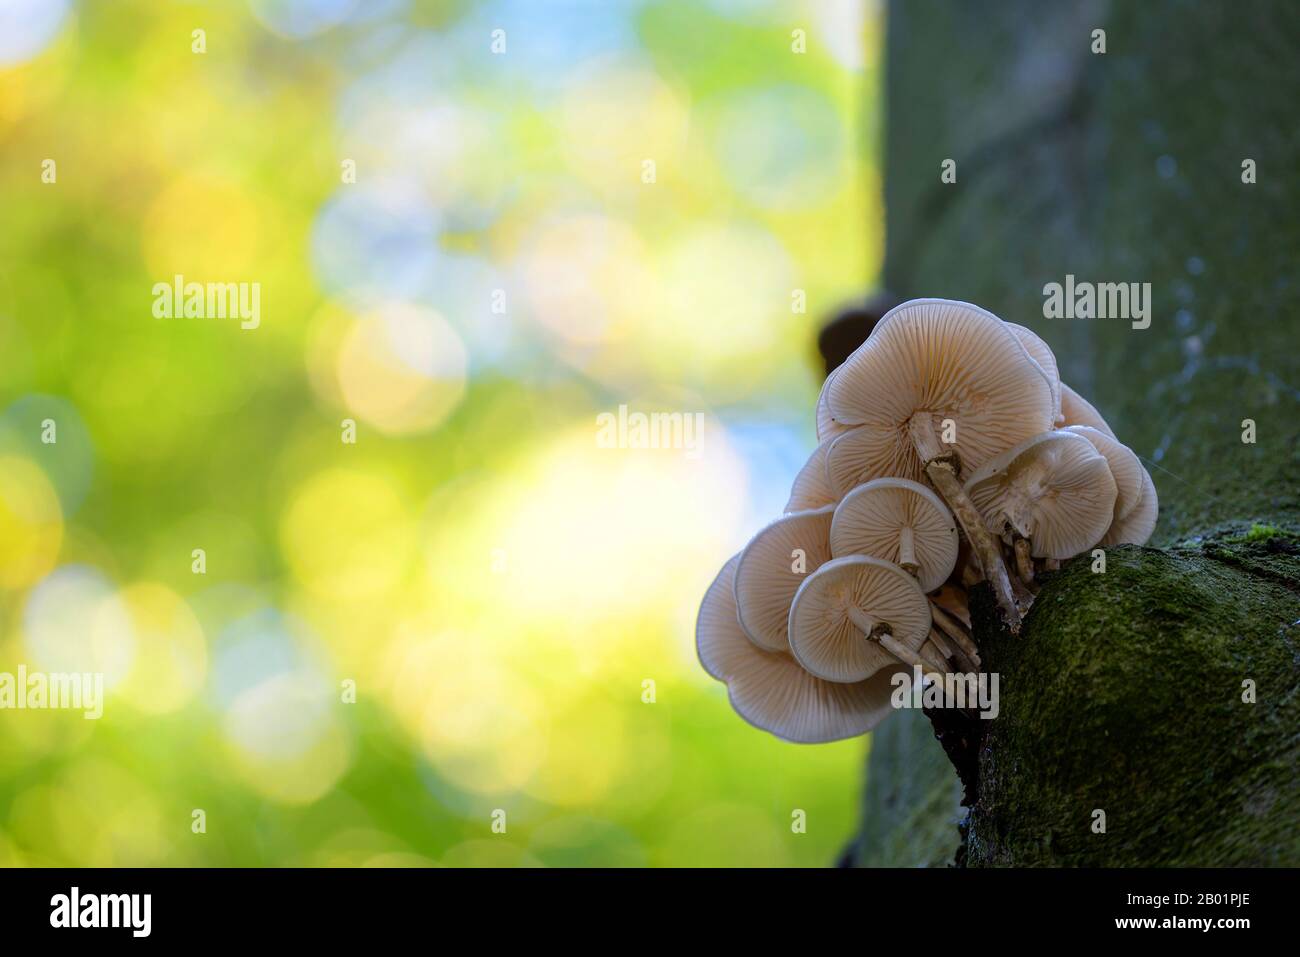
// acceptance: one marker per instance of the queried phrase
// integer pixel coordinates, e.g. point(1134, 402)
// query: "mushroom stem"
point(1051, 564)
point(862, 621)
point(880, 632)
point(954, 630)
point(941, 643)
point(951, 653)
point(937, 661)
point(907, 551)
point(941, 467)
point(908, 656)
point(1024, 562)
point(1024, 594)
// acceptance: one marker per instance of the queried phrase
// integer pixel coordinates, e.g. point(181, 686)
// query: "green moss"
point(1125, 694)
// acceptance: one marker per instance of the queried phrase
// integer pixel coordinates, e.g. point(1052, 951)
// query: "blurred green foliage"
point(505, 266)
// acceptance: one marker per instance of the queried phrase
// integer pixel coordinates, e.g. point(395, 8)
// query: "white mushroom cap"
point(811, 488)
point(902, 522)
point(1076, 410)
point(827, 427)
point(859, 455)
point(770, 690)
point(1137, 526)
point(766, 575)
point(1054, 489)
point(950, 359)
point(1125, 468)
point(1041, 353)
point(824, 636)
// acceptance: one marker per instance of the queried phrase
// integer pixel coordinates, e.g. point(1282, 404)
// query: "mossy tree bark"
point(1124, 693)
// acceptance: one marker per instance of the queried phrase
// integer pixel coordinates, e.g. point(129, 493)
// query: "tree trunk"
point(1129, 691)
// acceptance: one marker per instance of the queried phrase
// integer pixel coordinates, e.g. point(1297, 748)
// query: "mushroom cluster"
point(949, 453)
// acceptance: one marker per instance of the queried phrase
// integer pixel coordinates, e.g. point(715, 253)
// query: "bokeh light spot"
point(27, 26)
point(284, 739)
point(31, 523)
point(172, 656)
point(347, 534)
point(402, 369)
point(203, 228)
point(75, 621)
